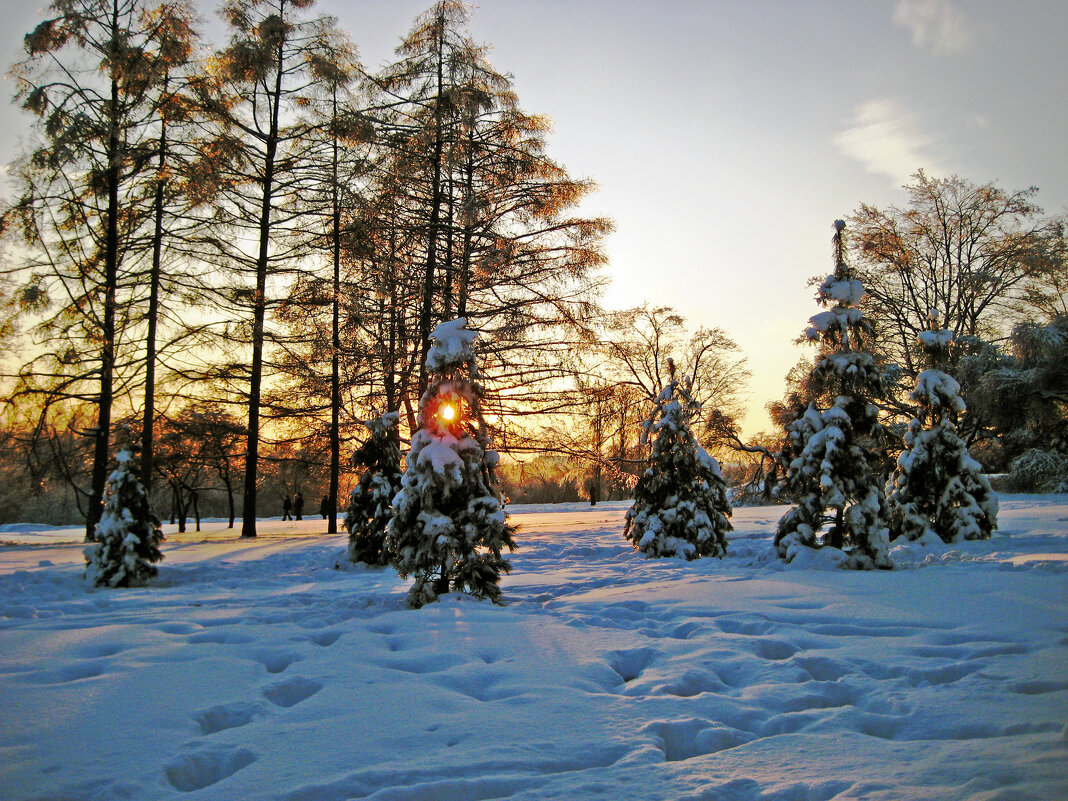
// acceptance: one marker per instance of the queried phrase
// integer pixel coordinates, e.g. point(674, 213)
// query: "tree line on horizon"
point(229, 256)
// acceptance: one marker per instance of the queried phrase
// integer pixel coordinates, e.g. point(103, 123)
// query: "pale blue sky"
point(727, 136)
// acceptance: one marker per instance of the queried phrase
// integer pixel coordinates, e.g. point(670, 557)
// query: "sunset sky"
point(727, 136)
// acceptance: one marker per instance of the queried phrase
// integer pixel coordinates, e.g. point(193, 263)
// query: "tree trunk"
point(107, 349)
point(231, 511)
point(409, 413)
point(335, 366)
point(598, 444)
point(441, 585)
point(179, 505)
point(447, 264)
point(836, 535)
point(425, 312)
point(248, 506)
point(464, 278)
point(147, 431)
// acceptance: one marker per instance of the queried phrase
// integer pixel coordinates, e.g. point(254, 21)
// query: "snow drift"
point(276, 669)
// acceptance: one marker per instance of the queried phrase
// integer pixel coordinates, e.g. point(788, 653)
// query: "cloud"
point(935, 24)
point(887, 140)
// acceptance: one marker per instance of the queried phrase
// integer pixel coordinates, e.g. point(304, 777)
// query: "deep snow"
point(256, 670)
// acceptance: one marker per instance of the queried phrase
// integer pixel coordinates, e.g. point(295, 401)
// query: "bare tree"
point(977, 256)
point(254, 94)
point(91, 75)
point(474, 220)
point(617, 375)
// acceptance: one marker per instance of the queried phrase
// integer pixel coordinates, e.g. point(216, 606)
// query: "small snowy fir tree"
point(836, 475)
point(371, 500)
point(937, 487)
point(449, 528)
point(680, 502)
point(127, 538)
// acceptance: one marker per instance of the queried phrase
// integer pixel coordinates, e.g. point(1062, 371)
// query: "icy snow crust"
point(256, 670)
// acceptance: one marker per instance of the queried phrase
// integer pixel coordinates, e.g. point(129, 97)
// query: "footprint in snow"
point(275, 661)
point(400, 643)
point(630, 664)
point(325, 639)
point(1038, 687)
point(206, 766)
point(673, 631)
point(291, 692)
point(685, 739)
point(481, 686)
point(215, 622)
point(227, 716)
point(822, 668)
point(177, 628)
point(100, 649)
point(221, 638)
point(65, 674)
point(424, 663)
point(773, 650)
point(691, 683)
point(947, 674)
point(751, 625)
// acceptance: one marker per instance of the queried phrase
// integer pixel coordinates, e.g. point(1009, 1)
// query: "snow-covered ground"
point(273, 669)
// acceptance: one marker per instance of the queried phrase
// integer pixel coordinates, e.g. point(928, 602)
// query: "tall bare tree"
point(976, 255)
point(255, 93)
point(474, 219)
point(173, 108)
point(343, 132)
point(615, 381)
point(91, 76)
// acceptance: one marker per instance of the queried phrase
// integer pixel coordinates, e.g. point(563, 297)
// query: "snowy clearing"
point(256, 670)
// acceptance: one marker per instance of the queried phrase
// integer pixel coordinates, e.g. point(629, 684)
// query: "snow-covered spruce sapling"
point(127, 536)
point(937, 487)
point(449, 528)
point(371, 500)
point(837, 475)
point(680, 502)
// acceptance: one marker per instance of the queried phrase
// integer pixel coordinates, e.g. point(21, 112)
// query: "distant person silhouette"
point(298, 506)
point(286, 506)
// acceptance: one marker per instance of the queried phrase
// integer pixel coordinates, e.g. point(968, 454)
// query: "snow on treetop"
point(440, 454)
point(847, 292)
point(850, 363)
point(832, 319)
point(709, 462)
point(452, 345)
point(124, 466)
point(378, 423)
point(942, 338)
point(821, 322)
point(935, 388)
